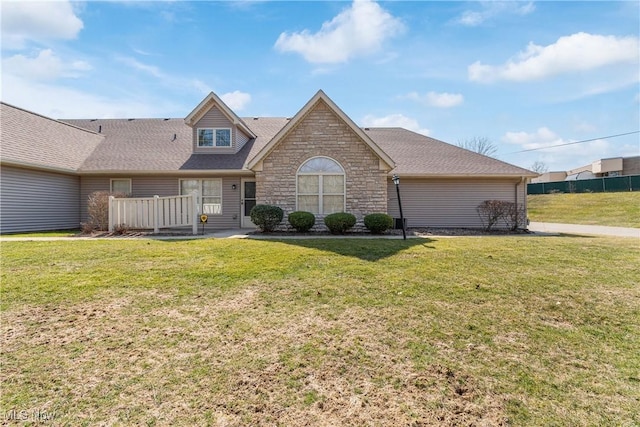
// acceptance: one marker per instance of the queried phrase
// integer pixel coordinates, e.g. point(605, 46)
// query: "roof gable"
point(320, 96)
point(207, 103)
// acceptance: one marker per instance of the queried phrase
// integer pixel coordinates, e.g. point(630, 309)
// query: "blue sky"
point(523, 74)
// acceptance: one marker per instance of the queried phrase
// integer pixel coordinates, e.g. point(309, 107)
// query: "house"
point(319, 160)
point(602, 168)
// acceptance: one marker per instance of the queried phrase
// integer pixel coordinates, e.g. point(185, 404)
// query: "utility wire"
point(576, 142)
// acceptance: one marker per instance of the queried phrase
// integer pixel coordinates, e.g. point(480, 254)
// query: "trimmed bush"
point(492, 211)
point(378, 223)
point(302, 221)
point(339, 222)
point(266, 217)
point(98, 211)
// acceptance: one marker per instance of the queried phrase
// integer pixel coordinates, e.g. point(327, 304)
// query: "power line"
point(576, 142)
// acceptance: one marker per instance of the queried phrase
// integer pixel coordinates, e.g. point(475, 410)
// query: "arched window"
point(321, 187)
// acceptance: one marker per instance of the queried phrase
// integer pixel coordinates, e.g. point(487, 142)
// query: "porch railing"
point(154, 212)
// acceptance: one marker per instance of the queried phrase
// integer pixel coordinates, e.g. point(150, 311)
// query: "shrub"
point(302, 221)
point(98, 210)
point(515, 213)
point(378, 223)
point(492, 211)
point(339, 222)
point(266, 217)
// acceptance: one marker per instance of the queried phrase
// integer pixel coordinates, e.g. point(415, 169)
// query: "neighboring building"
point(612, 167)
point(318, 161)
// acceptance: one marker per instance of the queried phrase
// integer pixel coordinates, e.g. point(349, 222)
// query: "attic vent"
point(255, 118)
point(130, 120)
point(175, 136)
point(166, 120)
point(367, 129)
point(93, 120)
point(99, 128)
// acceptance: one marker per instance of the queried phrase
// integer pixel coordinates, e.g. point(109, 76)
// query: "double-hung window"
point(214, 137)
point(321, 186)
point(209, 194)
point(121, 185)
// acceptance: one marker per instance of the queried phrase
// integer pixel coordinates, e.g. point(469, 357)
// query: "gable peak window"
point(321, 186)
point(214, 137)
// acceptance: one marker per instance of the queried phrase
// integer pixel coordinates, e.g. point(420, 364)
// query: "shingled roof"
point(32, 140)
point(148, 145)
point(419, 155)
point(164, 146)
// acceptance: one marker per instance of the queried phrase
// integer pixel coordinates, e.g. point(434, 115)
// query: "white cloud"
point(236, 100)
point(574, 53)
point(164, 78)
point(491, 9)
point(37, 21)
point(45, 66)
point(435, 99)
point(565, 157)
point(540, 138)
point(584, 126)
point(137, 65)
point(358, 30)
point(394, 120)
point(44, 98)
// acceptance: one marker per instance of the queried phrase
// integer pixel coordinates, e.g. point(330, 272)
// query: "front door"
point(248, 201)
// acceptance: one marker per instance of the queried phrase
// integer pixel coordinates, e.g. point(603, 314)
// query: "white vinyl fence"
point(154, 212)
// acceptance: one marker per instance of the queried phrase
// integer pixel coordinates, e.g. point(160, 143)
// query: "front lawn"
point(516, 330)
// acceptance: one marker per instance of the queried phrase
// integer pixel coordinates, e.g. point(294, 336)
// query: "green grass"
point(612, 209)
point(53, 233)
point(519, 330)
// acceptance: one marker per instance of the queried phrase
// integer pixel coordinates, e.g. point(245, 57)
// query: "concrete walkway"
point(599, 230)
point(535, 227)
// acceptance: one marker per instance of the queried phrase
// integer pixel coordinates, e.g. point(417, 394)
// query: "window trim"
point(215, 141)
point(320, 176)
point(200, 195)
point(128, 193)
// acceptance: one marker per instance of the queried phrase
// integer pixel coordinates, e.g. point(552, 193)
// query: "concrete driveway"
point(549, 227)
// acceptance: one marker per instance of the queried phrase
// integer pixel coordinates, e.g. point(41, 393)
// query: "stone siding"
point(323, 133)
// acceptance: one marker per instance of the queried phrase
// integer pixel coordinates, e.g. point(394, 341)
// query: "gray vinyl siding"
point(214, 118)
point(240, 140)
point(149, 186)
point(33, 200)
point(449, 202)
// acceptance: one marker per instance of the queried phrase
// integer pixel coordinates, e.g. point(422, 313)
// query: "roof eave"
point(179, 172)
point(461, 175)
point(37, 166)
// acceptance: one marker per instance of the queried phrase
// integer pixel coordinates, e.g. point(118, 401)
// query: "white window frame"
point(320, 176)
point(215, 140)
point(200, 193)
point(112, 180)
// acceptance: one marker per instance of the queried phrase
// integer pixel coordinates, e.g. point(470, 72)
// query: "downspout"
point(524, 203)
